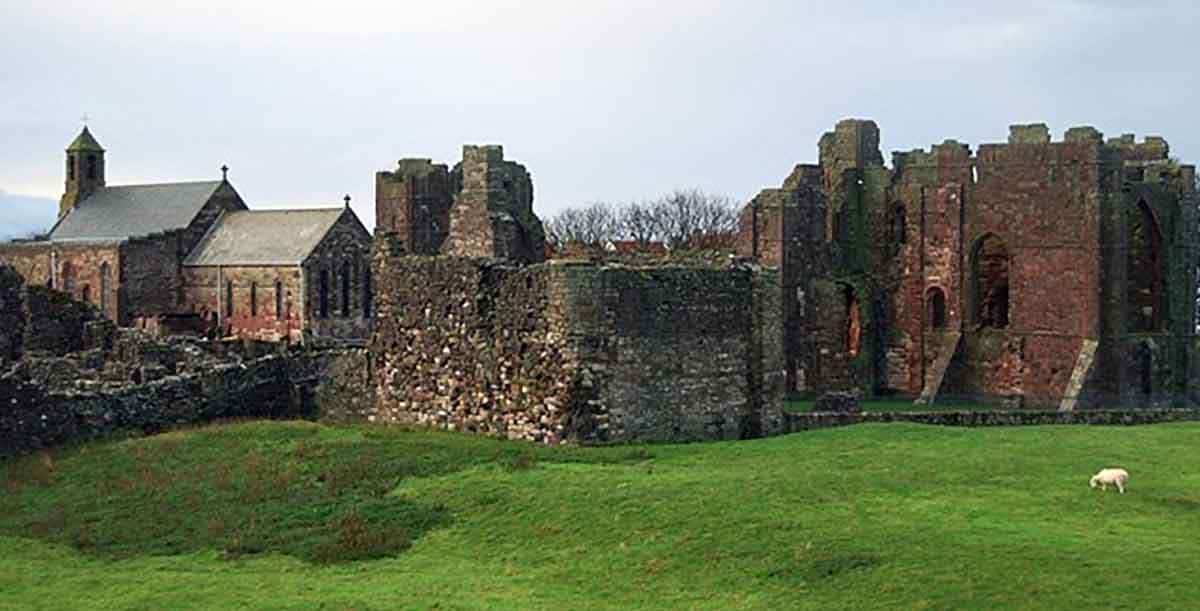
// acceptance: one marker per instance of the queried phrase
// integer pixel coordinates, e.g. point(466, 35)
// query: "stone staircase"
point(936, 374)
point(1083, 367)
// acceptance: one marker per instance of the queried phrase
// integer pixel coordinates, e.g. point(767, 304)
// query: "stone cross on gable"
point(224, 172)
point(84, 118)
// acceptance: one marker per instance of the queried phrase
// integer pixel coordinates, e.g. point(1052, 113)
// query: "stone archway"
point(1146, 284)
point(990, 281)
point(935, 305)
point(853, 335)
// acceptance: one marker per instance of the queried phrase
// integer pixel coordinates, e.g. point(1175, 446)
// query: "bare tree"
point(638, 222)
point(684, 219)
point(591, 225)
point(691, 218)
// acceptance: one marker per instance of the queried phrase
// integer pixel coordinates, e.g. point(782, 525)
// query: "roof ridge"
point(166, 184)
point(291, 210)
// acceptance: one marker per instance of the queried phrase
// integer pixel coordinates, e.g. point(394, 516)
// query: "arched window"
point(366, 296)
point(253, 299)
point(853, 323)
point(323, 296)
point(346, 289)
point(991, 283)
point(229, 298)
point(91, 167)
point(278, 300)
point(85, 293)
point(935, 302)
point(70, 167)
point(68, 278)
point(1146, 281)
point(105, 286)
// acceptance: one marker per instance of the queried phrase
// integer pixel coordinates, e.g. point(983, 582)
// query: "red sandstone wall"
point(257, 311)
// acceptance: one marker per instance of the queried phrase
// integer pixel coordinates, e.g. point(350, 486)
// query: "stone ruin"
point(1033, 273)
point(474, 332)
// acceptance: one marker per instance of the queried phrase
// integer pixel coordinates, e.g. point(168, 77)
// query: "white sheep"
point(1117, 477)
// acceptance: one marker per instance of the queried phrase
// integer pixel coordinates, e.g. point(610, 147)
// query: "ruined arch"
point(1146, 283)
point(935, 306)
point(990, 283)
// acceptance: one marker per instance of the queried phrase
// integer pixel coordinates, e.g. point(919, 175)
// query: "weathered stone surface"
point(577, 352)
point(838, 402)
point(795, 422)
point(1032, 250)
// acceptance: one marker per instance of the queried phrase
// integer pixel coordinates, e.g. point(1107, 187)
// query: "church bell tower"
point(85, 171)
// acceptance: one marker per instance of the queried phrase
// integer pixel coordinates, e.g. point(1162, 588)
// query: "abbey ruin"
point(1056, 278)
point(1050, 274)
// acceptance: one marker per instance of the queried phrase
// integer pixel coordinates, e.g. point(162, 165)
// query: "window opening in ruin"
point(936, 302)
point(991, 284)
point(346, 290)
point(85, 294)
point(899, 229)
point(323, 296)
point(253, 299)
point(366, 296)
point(91, 167)
point(105, 273)
point(853, 323)
point(70, 167)
point(229, 298)
point(278, 300)
point(1144, 268)
point(1146, 370)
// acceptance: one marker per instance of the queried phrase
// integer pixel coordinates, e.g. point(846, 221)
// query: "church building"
point(191, 254)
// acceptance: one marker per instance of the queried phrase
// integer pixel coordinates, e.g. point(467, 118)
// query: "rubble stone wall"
point(576, 352)
point(273, 386)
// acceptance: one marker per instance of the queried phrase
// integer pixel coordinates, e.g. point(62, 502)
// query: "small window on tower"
point(91, 167)
point(70, 167)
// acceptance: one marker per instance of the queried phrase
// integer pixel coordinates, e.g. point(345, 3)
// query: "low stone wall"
point(273, 386)
point(805, 421)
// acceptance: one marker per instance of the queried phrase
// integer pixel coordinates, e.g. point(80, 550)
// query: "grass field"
point(300, 515)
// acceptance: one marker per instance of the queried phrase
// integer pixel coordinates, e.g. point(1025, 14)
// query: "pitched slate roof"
point(117, 213)
point(85, 142)
point(264, 237)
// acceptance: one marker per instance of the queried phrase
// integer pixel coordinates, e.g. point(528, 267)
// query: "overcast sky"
point(600, 100)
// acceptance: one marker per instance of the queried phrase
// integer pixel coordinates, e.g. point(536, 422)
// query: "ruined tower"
point(481, 208)
point(493, 214)
point(85, 171)
point(413, 204)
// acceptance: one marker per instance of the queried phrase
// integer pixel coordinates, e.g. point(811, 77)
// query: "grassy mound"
point(897, 516)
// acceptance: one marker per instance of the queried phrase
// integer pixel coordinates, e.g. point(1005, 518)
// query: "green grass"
point(300, 515)
point(896, 405)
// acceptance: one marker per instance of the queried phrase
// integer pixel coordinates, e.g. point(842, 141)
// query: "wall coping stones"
point(794, 422)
